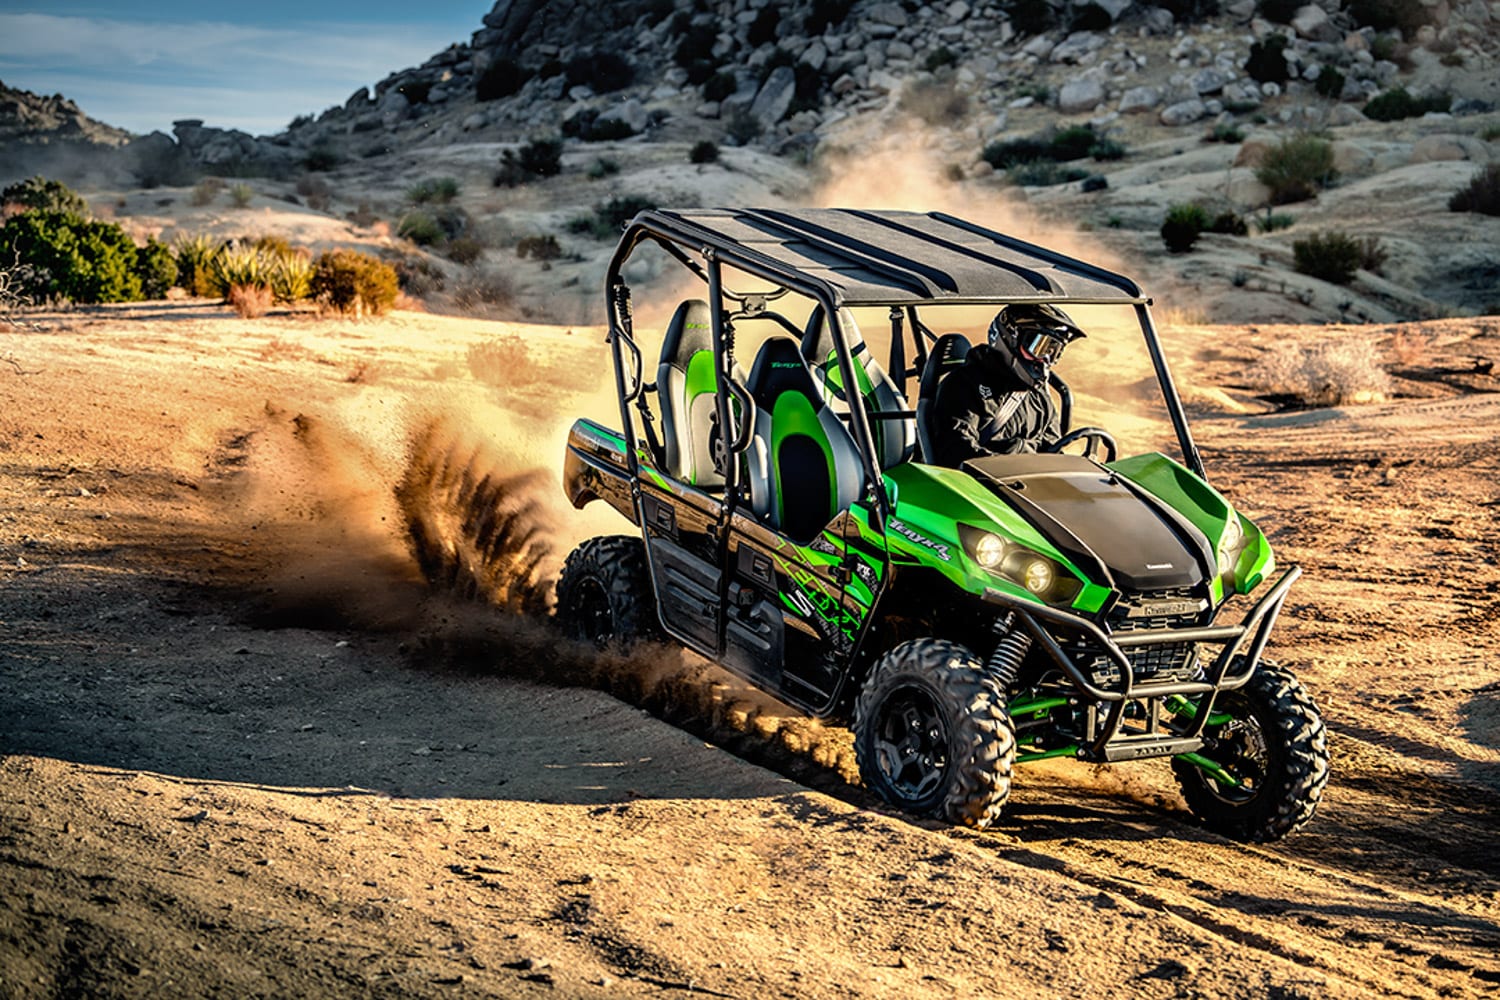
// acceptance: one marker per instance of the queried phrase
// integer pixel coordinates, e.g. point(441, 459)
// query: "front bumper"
point(1239, 656)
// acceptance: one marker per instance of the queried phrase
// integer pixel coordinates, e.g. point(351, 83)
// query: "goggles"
point(1042, 345)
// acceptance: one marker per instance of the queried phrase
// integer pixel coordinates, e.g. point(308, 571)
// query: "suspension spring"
point(1004, 664)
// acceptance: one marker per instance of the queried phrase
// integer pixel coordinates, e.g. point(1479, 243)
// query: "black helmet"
point(1036, 332)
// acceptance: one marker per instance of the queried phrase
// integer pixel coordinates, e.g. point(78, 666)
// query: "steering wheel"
point(1095, 436)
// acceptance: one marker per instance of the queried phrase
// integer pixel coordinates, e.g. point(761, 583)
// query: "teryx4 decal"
point(940, 549)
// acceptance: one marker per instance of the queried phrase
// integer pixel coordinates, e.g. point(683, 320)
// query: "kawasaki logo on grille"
point(1158, 609)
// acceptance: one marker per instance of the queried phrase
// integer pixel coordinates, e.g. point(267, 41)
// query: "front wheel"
point(1268, 757)
point(604, 593)
point(932, 735)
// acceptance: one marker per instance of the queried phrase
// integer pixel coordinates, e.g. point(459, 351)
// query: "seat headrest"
point(690, 331)
point(779, 368)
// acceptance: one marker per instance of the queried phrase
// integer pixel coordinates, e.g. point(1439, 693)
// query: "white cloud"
point(141, 76)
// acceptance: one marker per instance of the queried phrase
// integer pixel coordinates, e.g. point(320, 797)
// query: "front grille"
point(1183, 608)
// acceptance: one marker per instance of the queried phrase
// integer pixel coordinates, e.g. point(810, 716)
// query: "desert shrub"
point(41, 194)
point(1031, 17)
point(436, 190)
point(743, 127)
point(1482, 194)
point(939, 58)
point(250, 301)
point(704, 151)
point(1335, 256)
point(291, 276)
point(322, 158)
point(1325, 373)
point(420, 227)
point(1229, 223)
point(1270, 222)
point(242, 265)
point(537, 158)
point(205, 191)
point(601, 72)
point(1045, 173)
point(609, 218)
point(606, 130)
point(463, 250)
point(1266, 63)
point(1183, 225)
point(1279, 11)
point(1398, 103)
point(1330, 82)
point(484, 294)
point(695, 47)
point(417, 276)
point(1405, 16)
point(539, 247)
point(155, 267)
point(1225, 132)
point(66, 256)
point(1006, 153)
point(195, 256)
point(240, 195)
point(720, 86)
point(603, 167)
point(354, 283)
point(1106, 149)
point(1072, 143)
point(501, 78)
point(501, 361)
point(315, 192)
point(1296, 168)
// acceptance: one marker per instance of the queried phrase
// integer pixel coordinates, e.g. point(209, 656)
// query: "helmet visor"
point(1042, 345)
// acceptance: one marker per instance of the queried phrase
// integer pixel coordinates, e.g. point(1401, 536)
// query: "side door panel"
point(681, 527)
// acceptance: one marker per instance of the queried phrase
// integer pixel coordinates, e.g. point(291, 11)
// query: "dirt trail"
point(247, 751)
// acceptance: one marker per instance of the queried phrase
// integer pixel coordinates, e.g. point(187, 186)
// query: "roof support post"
point(1190, 457)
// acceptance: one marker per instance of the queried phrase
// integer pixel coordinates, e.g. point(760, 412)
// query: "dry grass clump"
point(501, 361)
point(250, 301)
point(1327, 373)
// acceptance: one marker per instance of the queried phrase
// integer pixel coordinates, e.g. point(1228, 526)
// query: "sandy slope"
point(247, 751)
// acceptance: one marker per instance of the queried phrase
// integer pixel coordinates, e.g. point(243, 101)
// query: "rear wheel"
point(604, 593)
point(1273, 751)
point(932, 735)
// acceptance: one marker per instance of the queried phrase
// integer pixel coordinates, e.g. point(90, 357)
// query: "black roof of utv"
point(886, 258)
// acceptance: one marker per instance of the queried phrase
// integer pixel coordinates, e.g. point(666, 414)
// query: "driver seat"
point(948, 352)
point(894, 437)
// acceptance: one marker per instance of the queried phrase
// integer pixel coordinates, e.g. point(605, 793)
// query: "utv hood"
point(1100, 520)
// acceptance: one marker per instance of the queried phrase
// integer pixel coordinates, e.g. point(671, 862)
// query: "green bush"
point(608, 130)
point(1225, 132)
point(1045, 173)
point(291, 276)
point(601, 72)
point(1007, 153)
point(938, 58)
point(1266, 63)
point(322, 158)
point(195, 256)
point(1272, 221)
point(1182, 226)
point(1061, 146)
point(354, 283)
point(1280, 11)
point(1107, 149)
point(1335, 256)
point(537, 158)
point(1396, 104)
point(704, 151)
point(463, 250)
point(420, 227)
point(437, 190)
point(39, 194)
point(743, 127)
point(1295, 169)
point(156, 268)
point(66, 256)
point(1482, 195)
point(609, 218)
point(719, 86)
point(1072, 143)
point(1405, 16)
point(1229, 223)
point(1330, 82)
point(539, 247)
point(241, 194)
point(603, 167)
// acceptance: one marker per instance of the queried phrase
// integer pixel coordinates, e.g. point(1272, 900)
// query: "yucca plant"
point(291, 276)
point(245, 266)
point(195, 256)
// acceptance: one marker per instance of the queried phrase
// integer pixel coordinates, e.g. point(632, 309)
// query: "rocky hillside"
point(957, 102)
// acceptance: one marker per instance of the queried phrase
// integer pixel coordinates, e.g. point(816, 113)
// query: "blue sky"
point(253, 66)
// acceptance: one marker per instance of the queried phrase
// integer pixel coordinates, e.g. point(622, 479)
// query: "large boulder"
point(1138, 99)
point(1312, 23)
point(775, 96)
point(1183, 112)
point(1080, 95)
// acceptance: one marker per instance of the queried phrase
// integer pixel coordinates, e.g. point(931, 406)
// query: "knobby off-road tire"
point(1276, 745)
point(604, 593)
point(932, 735)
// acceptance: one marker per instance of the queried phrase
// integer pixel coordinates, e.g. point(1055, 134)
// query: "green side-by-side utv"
point(790, 527)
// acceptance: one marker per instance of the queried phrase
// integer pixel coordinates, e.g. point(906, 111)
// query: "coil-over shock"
point(1004, 664)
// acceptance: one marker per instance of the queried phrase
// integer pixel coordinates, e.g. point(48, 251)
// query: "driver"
point(997, 402)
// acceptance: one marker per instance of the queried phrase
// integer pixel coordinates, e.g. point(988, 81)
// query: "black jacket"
point(966, 416)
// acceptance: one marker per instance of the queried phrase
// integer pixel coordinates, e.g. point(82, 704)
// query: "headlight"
point(1039, 576)
point(1231, 545)
point(1033, 571)
point(989, 550)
